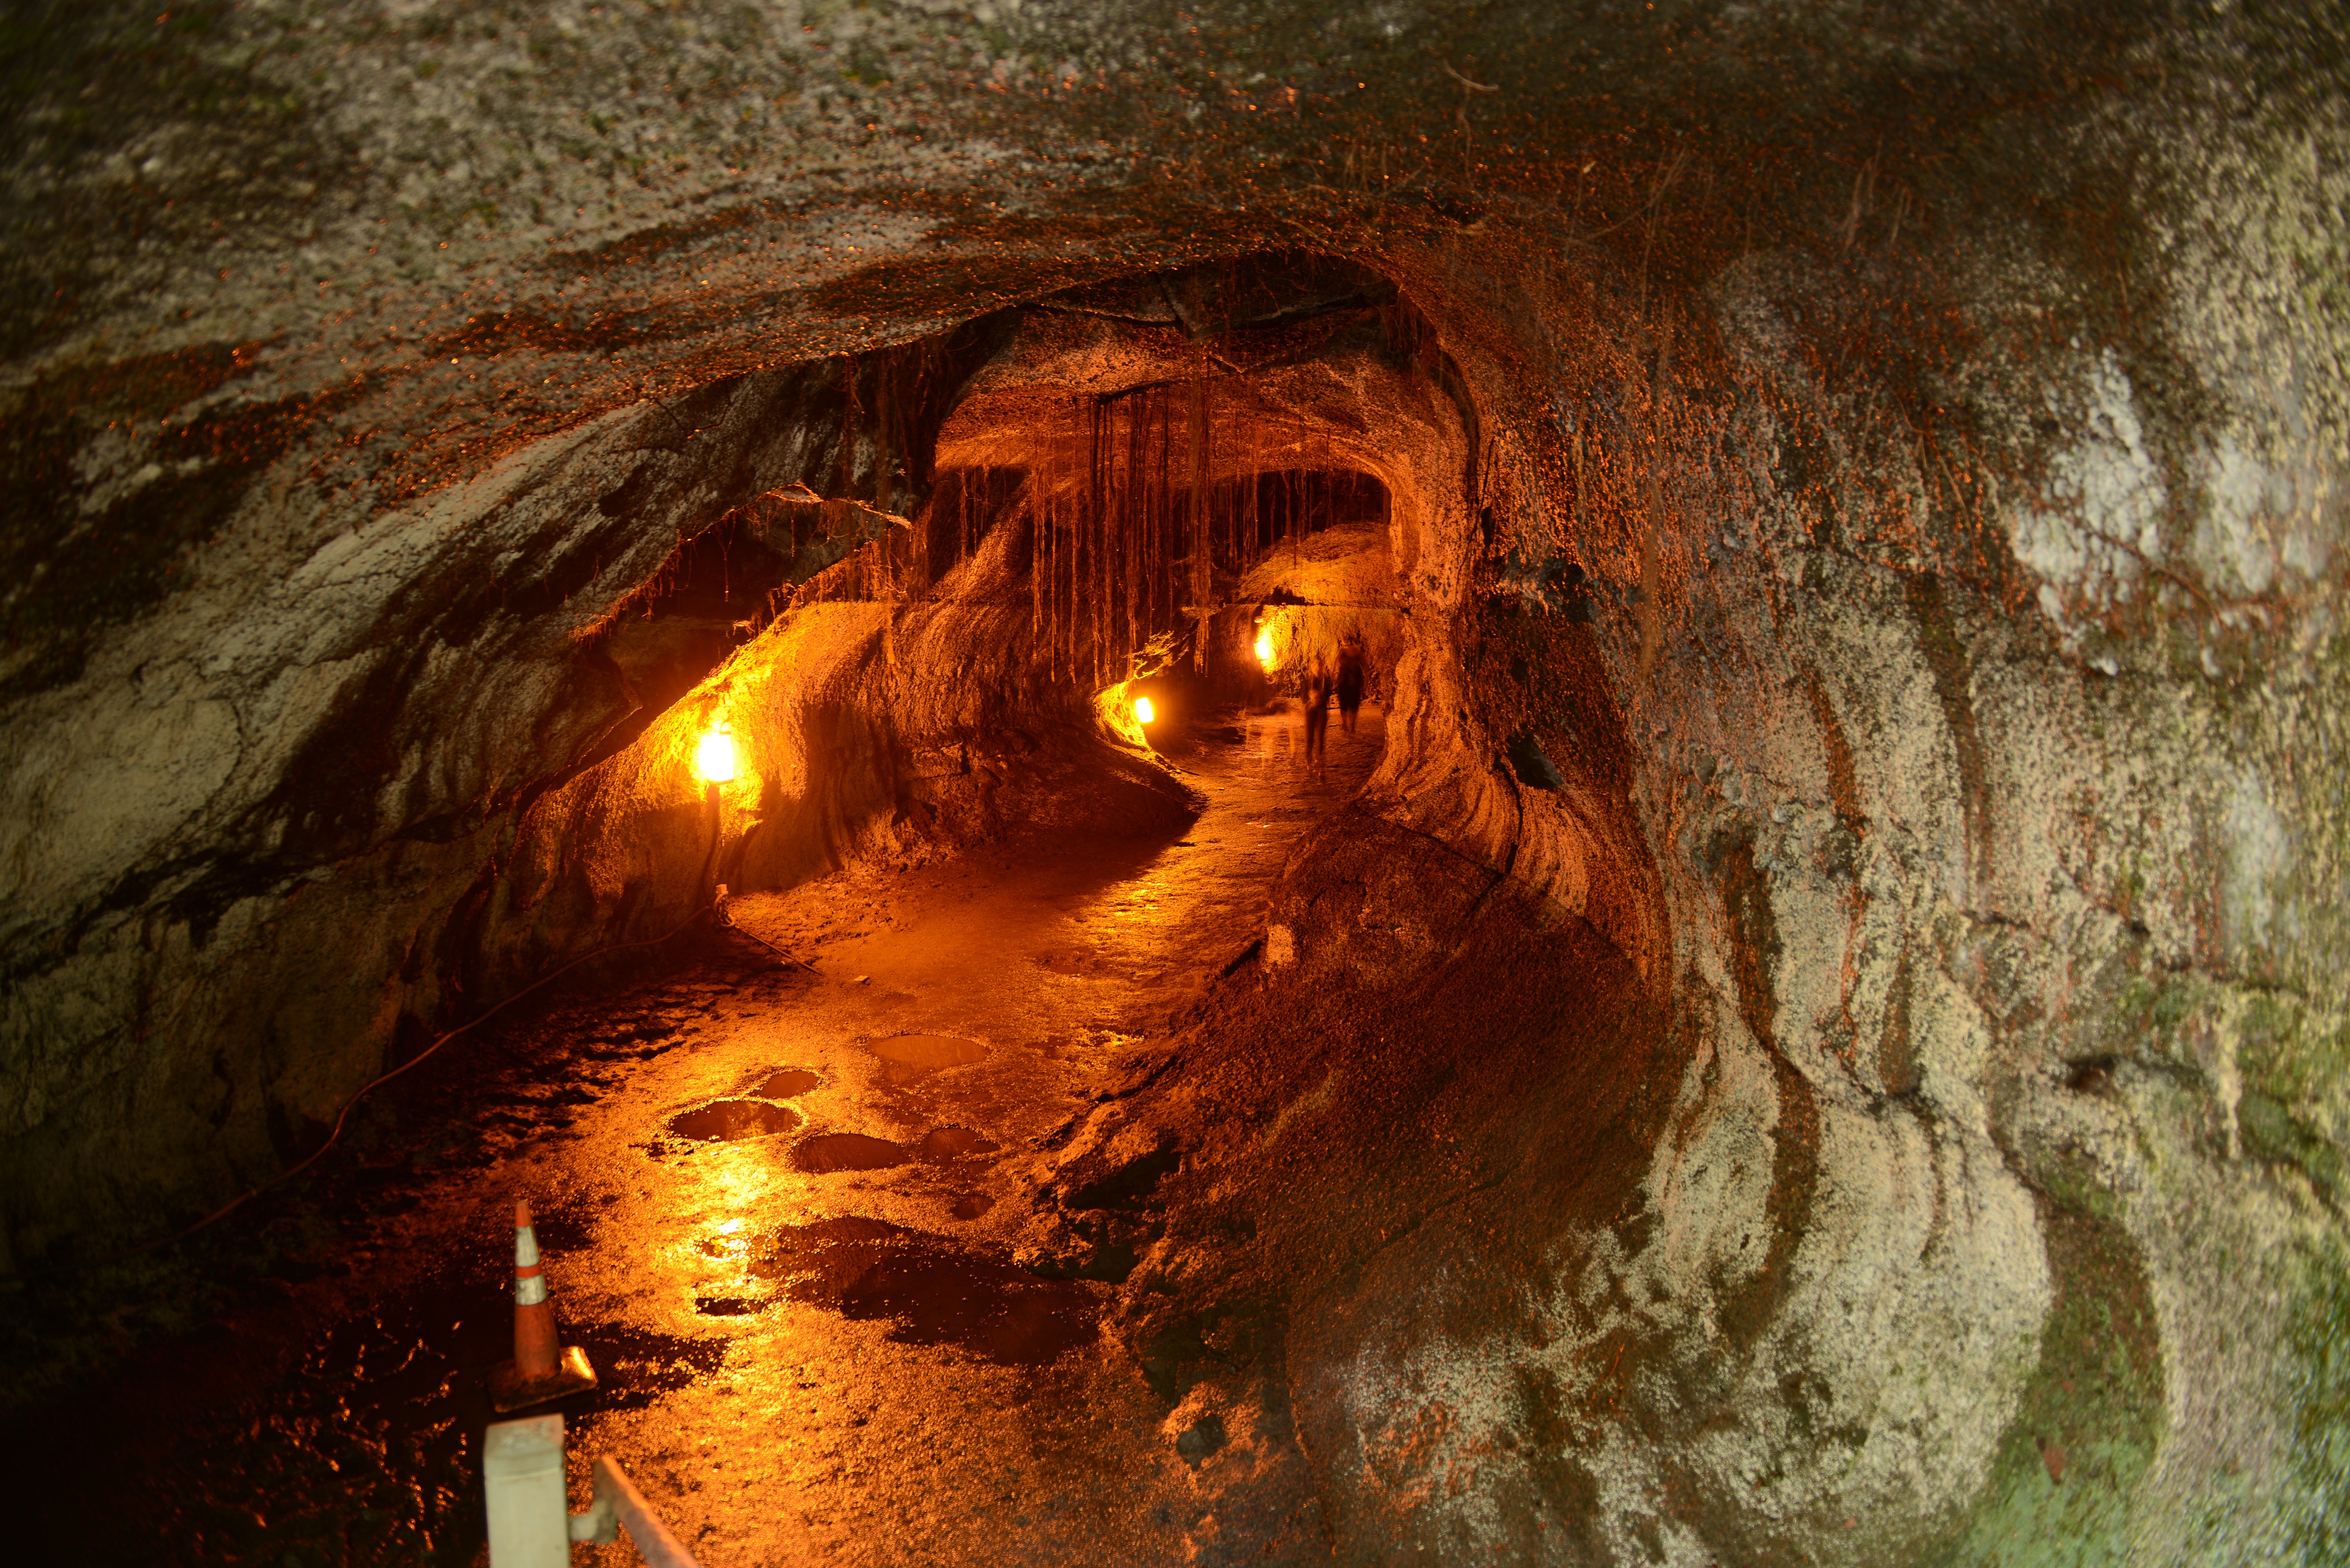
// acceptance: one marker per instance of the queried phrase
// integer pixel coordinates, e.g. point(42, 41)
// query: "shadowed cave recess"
point(1807, 1025)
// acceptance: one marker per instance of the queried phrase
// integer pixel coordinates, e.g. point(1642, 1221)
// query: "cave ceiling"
point(1832, 988)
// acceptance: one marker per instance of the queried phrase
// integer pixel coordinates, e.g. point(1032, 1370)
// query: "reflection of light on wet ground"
point(726, 1120)
point(928, 1292)
point(1193, 905)
point(726, 1242)
point(906, 1057)
point(788, 1083)
point(803, 1356)
point(847, 1151)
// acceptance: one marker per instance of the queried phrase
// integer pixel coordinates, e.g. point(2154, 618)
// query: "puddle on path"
point(943, 1144)
point(727, 1120)
point(906, 1057)
point(847, 1151)
point(929, 1291)
point(345, 1425)
point(785, 1083)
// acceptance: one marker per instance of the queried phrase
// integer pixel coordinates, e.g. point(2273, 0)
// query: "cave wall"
point(1346, 576)
point(243, 840)
point(1911, 846)
point(1937, 732)
point(914, 700)
point(869, 731)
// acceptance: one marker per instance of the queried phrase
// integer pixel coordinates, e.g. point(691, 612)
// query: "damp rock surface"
point(786, 1083)
point(953, 1143)
point(1815, 1042)
point(848, 1151)
point(726, 1120)
point(791, 1312)
point(929, 1291)
point(907, 1057)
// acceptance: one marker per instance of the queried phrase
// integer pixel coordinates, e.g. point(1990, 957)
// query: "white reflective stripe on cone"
point(530, 1291)
point(525, 1246)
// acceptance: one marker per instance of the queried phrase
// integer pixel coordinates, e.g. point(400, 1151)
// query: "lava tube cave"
point(1395, 783)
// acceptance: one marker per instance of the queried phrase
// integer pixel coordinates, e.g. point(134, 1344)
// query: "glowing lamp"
point(1143, 711)
point(715, 757)
point(1264, 648)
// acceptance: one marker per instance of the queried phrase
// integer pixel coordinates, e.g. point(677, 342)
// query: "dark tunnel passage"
point(1033, 1028)
point(1547, 784)
point(1001, 898)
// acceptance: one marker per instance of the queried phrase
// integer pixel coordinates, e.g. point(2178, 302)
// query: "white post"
point(521, 1475)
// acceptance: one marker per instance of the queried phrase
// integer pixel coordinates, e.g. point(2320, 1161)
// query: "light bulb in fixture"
point(1143, 711)
point(1264, 648)
point(715, 756)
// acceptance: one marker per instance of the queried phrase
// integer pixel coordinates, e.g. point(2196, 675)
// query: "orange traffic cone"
point(540, 1370)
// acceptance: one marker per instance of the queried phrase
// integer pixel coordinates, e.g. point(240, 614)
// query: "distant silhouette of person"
point(1350, 679)
point(1319, 684)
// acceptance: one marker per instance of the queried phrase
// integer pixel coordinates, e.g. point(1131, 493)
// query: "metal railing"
point(531, 1524)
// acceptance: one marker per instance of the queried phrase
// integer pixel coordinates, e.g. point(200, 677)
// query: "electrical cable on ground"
point(343, 1115)
point(744, 931)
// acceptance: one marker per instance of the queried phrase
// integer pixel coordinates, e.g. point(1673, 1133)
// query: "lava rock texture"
point(1823, 1040)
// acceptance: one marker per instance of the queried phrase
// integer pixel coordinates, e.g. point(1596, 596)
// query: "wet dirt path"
point(779, 1206)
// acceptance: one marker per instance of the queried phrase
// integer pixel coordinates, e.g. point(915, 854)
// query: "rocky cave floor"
point(782, 1209)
